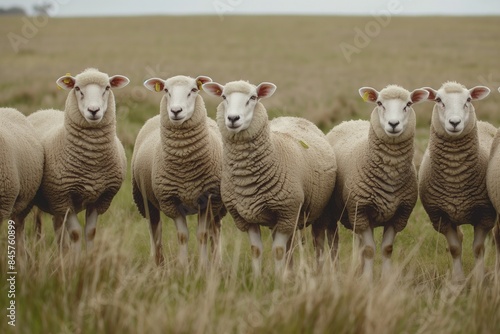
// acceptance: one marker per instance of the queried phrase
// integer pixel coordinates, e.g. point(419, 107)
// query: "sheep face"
point(239, 99)
point(180, 92)
point(92, 90)
point(393, 106)
point(454, 105)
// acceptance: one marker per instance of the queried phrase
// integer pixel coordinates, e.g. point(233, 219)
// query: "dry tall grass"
point(117, 289)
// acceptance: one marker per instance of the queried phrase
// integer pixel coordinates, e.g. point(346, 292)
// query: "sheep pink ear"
point(154, 84)
point(213, 88)
point(368, 94)
point(265, 89)
point(200, 80)
point(66, 82)
point(118, 81)
point(419, 95)
point(432, 93)
point(479, 92)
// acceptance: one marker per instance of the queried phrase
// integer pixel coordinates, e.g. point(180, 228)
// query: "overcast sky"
point(225, 7)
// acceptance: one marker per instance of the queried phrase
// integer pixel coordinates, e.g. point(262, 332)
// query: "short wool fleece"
point(376, 178)
point(456, 184)
point(273, 169)
point(178, 167)
point(84, 164)
point(21, 164)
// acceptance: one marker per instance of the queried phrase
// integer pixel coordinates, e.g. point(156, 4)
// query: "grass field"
point(117, 289)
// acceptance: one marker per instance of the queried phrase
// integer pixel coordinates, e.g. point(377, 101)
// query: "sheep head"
point(239, 99)
point(454, 105)
point(180, 92)
point(393, 106)
point(92, 90)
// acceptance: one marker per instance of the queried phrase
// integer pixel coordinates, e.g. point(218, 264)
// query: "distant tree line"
point(38, 9)
point(12, 11)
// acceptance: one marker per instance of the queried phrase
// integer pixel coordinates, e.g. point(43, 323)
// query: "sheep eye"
point(194, 90)
point(166, 90)
point(379, 103)
point(108, 87)
point(253, 97)
point(469, 99)
point(438, 100)
point(77, 88)
point(223, 97)
point(408, 104)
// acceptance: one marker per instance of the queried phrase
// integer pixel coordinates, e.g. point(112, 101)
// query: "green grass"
point(116, 288)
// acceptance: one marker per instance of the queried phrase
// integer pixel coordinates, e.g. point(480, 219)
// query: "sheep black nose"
point(233, 119)
point(93, 111)
point(455, 123)
point(394, 124)
point(176, 111)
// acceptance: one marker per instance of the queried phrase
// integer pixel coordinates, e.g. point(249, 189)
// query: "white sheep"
point(376, 179)
point(21, 168)
point(278, 173)
point(452, 176)
point(85, 162)
point(176, 166)
point(493, 186)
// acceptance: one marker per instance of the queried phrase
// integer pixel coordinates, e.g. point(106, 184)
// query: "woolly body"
point(85, 163)
point(21, 165)
point(376, 179)
point(493, 186)
point(178, 167)
point(452, 177)
point(268, 174)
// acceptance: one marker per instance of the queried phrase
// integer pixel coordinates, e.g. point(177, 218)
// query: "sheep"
point(278, 173)
point(452, 176)
point(376, 179)
point(493, 187)
point(85, 162)
point(21, 169)
point(176, 167)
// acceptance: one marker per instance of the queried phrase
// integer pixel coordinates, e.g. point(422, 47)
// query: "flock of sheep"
point(285, 173)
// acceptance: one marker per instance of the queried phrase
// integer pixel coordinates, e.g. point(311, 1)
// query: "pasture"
point(117, 288)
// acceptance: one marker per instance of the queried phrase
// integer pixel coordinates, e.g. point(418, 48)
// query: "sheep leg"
point(496, 235)
point(90, 227)
point(38, 223)
point(155, 233)
point(455, 247)
point(182, 237)
point(256, 248)
point(289, 255)
point(215, 241)
point(478, 249)
point(60, 233)
point(368, 252)
point(387, 243)
point(74, 230)
point(202, 235)
point(318, 233)
point(333, 240)
point(280, 241)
